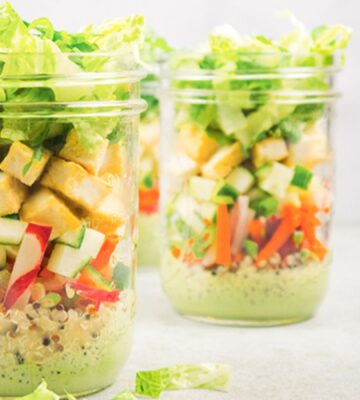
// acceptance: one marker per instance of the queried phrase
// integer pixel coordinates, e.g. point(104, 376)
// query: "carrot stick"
point(280, 236)
point(223, 236)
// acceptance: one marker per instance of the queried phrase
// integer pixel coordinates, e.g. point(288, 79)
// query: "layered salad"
point(67, 203)
point(248, 181)
point(154, 52)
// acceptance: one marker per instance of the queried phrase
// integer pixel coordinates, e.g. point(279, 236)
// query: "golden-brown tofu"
point(19, 163)
point(268, 150)
point(223, 161)
point(109, 215)
point(75, 183)
point(196, 143)
point(12, 194)
point(115, 161)
point(44, 208)
point(74, 151)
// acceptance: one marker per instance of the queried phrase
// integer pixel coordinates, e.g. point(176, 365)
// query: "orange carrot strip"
point(287, 226)
point(223, 236)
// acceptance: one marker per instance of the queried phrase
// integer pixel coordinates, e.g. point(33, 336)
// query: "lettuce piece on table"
point(183, 376)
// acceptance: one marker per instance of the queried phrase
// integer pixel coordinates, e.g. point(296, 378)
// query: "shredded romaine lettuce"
point(183, 376)
point(41, 393)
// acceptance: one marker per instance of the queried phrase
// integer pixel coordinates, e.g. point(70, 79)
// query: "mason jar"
point(247, 188)
point(68, 206)
point(149, 194)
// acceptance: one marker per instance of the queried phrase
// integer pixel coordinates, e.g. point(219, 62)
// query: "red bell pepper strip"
point(96, 296)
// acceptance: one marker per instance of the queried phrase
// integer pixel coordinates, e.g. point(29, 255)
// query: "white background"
point(187, 22)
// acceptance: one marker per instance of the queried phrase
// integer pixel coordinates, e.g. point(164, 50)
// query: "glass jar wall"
point(68, 205)
point(149, 133)
point(247, 188)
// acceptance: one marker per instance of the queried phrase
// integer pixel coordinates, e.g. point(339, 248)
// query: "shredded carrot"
point(286, 228)
point(257, 230)
point(239, 257)
point(223, 236)
point(175, 252)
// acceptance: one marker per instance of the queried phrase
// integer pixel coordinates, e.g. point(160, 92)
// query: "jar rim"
point(64, 110)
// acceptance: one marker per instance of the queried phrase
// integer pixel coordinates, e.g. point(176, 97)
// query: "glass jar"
point(68, 205)
point(247, 188)
point(149, 133)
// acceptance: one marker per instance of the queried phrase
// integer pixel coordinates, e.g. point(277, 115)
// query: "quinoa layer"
point(249, 295)
point(74, 351)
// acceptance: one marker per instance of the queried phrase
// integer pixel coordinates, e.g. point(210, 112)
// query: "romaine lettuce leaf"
point(183, 376)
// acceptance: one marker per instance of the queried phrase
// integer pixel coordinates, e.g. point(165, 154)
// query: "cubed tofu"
point(183, 167)
point(115, 161)
point(12, 194)
point(75, 183)
point(196, 143)
point(109, 215)
point(311, 150)
point(223, 161)
point(74, 151)
point(43, 207)
point(268, 150)
point(19, 157)
point(149, 133)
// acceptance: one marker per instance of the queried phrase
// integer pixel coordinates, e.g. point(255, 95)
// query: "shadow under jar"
point(68, 202)
point(247, 189)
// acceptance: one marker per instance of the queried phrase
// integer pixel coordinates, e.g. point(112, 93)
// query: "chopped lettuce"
point(125, 395)
point(41, 393)
point(37, 48)
point(183, 376)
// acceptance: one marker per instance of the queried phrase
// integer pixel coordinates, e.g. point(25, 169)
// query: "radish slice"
point(27, 265)
point(240, 223)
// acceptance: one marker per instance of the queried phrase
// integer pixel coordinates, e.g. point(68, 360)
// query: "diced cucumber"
point(11, 231)
point(302, 177)
point(251, 248)
point(256, 194)
point(275, 178)
point(241, 179)
point(3, 257)
point(265, 206)
point(95, 276)
point(202, 188)
point(187, 208)
point(224, 194)
point(68, 261)
point(207, 211)
point(72, 238)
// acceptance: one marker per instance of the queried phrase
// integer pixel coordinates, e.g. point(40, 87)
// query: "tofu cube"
point(109, 215)
point(311, 150)
point(196, 143)
point(43, 207)
point(268, 150)
point(75, 183)
point(74, 151)
point(183, 167)
point(19, 157)
point(223, 161)
point(12, 194)
point(115, 161)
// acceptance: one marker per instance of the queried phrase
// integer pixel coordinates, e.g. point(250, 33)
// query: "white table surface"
point(315, 360)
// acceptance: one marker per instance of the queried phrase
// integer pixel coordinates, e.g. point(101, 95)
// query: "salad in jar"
point(248, 177)
point(68, 148)
point(154, 52)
